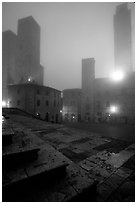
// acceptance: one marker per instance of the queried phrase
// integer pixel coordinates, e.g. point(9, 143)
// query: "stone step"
point(75, 185)
point(15, 158)
point(49, 164)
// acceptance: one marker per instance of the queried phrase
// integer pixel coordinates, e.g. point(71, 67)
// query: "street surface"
point(106, 153)
point(122, 131)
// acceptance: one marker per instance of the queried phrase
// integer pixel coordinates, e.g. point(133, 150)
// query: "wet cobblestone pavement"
point(107, 161)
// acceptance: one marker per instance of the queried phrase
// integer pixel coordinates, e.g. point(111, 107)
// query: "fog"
point(69, 32)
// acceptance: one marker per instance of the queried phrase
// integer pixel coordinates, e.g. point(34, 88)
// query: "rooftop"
point(29, 84)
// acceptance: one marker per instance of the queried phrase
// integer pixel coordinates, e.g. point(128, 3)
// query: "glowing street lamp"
point(30, 79)
point(113, 109)
point(4, 104)
point(117, 75)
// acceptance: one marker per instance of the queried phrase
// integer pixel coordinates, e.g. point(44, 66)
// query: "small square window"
point(38, 102)
point(18, 91)
point(47, 103)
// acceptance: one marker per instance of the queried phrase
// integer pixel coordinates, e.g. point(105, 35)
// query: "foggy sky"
point(69, 32)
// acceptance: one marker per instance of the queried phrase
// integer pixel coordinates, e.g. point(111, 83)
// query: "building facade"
point(115, 101)
point(101, 99)
point(123, 38)
point(71, 105)
point(41, 101)
point(9, 50)
point(87, 100)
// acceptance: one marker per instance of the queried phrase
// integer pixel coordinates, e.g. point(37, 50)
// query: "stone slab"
point(119, 159)
point(13, 176)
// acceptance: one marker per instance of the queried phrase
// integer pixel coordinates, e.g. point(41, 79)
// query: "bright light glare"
point(2, 119)
point(60, 111)
point(117, 75)
point(29, 79)
point(8, 104)
point(113, 109)
point(3, 103)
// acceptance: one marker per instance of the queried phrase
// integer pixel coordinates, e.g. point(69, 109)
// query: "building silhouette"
point(101, 99)
point(122, 38)
point(21, 56)
point(28, 58)
point(9, 50)
point(88, 76)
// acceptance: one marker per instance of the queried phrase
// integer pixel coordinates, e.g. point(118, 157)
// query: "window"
point(38, 92)
point(54, 103)
point(18, 91)
point(38, 102)
point(18, 102)
point(47, 103)
point(47, 93)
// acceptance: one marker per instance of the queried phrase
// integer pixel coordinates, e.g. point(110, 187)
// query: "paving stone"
point(126, 193)
point(80, 140)
point(48, 160)
point(78, 178)
point(77, 151)
point(103, 172)
point(93, 159)
point(119, 159)
point(84, 146)
point(56, 197)
point(114, 181)
point(10, 177)
point(130, 163)
point(104, 191)
point(126, 170)
point(61, 146)
point(122, 173)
